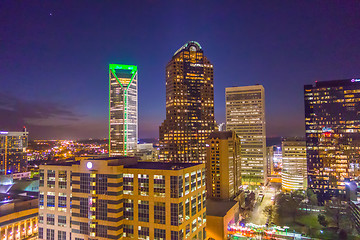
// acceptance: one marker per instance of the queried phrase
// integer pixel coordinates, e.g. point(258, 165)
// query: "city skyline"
point(248, 43)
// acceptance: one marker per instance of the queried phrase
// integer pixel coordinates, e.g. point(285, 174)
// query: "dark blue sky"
point(54, 57)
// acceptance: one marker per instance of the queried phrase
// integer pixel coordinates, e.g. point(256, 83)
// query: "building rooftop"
point(16, 203)
point(131, 162)
point(221, 134)
point(62, 163)
point(219, 208)
point(162, 165)
point(334, 83)
point(186, 45)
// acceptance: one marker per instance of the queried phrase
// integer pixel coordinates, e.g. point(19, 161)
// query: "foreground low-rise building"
point(221, 214)
point(121, 198)
point(18, 217)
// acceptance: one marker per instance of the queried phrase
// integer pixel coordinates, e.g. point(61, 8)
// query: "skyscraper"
point(294, 172)
point(189, 105)
point(245, 114)
point(123, 109)
point(332, 135)
point(13, 152)
point(223, 165)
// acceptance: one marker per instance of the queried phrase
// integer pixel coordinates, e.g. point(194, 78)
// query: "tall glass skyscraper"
point(332, 121)
point(123, 109)
point(245, 114)
point(189, 105)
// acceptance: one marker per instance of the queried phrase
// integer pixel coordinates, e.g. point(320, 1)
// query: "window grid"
point(159, 212)
point(143, 211)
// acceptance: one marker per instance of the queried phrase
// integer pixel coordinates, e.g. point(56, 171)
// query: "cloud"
point(30, 109)
point(40, 116)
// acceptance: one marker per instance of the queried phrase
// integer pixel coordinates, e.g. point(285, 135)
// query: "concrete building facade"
point(223, 164)
point(121, 198)
point(245, 114)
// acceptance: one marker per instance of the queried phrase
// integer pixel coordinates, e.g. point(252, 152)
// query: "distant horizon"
point(140, 139)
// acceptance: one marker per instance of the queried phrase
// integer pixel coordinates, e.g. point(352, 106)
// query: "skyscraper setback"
point(332, 135)
point(189, 105)
point(123, 109)
point(245, 114)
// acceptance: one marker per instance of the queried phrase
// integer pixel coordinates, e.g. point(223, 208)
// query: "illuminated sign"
point(355, 80)
point(196, 65)
point(4, 132)
point(326, 129)
point(89, 165)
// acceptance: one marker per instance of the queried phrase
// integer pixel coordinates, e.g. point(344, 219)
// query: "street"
point(257, 216)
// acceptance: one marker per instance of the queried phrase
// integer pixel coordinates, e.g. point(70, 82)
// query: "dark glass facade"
point(332, 121)
point(189, 106)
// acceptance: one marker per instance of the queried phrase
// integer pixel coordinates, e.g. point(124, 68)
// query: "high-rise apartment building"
point(13, 152)
point(121, 198)
point(245, 114)
point(123, 109)
point(332, 135)
point(294, 172)
point(189, 106)
point(223, 165)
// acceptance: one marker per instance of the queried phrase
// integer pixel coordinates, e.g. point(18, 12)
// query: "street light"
point(286, 229)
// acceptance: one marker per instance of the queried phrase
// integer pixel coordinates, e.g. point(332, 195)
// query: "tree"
point(342, 234)
point(288, 204)
point(333, 210)
point(322, 220)
point(268, 212)
point(312, 197)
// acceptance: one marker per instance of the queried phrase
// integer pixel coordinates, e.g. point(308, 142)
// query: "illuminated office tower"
point(13, 151)
point(121, 198)
point(294, 172)
point(123, 110)
point(223, 165)
point(332, 135)
point(245, 114)
point(189, 105)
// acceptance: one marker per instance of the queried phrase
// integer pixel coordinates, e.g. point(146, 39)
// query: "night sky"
point(54, 57)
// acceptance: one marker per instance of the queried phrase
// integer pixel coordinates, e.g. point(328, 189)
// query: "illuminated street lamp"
point(286, 229)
